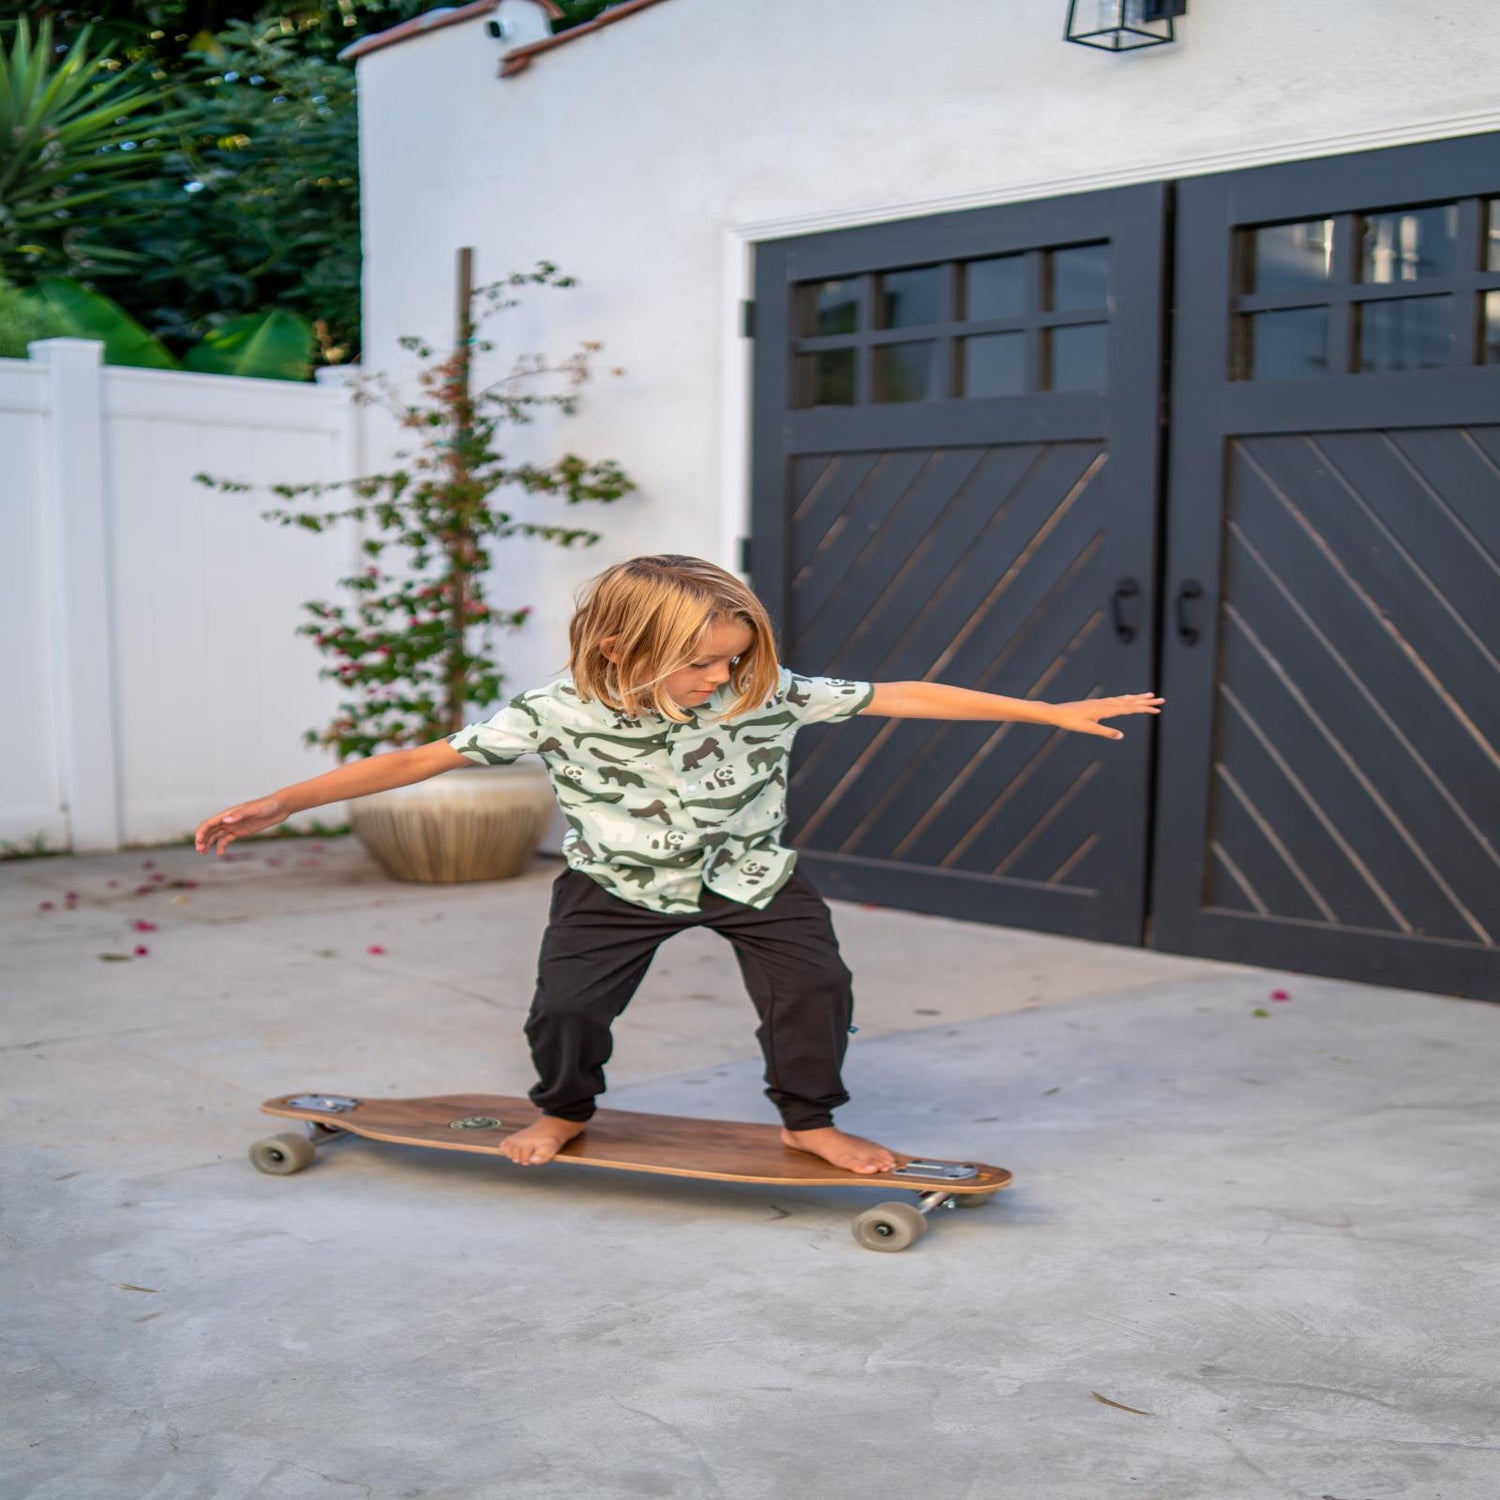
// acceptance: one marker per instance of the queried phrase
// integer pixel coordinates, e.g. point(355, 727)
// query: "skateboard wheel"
point(974, 1200)
point(281, 1155)
point(889, 1226)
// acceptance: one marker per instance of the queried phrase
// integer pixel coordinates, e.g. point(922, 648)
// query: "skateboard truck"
point(942, 1171)
point(333, 1104)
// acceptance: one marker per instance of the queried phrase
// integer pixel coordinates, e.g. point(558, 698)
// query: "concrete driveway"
point(1246, 1255)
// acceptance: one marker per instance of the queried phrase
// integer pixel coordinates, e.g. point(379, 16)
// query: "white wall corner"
point(79, 590)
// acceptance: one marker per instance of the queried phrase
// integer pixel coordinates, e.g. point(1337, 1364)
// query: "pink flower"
point(141, 950)
point(375, 948)
point(142, 925)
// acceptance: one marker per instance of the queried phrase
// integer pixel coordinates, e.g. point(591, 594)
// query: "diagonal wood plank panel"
point(970, 592)
point(976, 566)
point(1357, 734)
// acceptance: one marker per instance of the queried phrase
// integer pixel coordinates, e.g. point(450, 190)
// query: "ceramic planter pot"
point(477, 823)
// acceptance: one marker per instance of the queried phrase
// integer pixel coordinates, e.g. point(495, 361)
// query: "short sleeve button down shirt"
point(657, 810)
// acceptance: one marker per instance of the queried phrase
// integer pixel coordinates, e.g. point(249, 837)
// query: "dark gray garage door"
point(955, 480)
point(1330, 774)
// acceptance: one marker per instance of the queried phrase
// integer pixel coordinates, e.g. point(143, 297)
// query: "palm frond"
point(73, 131)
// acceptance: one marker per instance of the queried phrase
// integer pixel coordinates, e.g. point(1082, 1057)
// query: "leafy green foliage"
point(25, 318)
point(414, 647)
point(272, 345)
point(258, 207)
point(75, 135)
point(275, 345)
point(162, 32)
point(95, 317)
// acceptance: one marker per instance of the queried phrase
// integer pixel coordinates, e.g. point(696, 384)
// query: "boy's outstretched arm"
point(377, 773)
point(936, 700)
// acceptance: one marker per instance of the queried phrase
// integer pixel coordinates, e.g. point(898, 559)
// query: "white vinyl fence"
point(151, 672)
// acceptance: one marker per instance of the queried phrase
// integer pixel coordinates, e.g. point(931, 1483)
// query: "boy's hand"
point(1084, 715)
point(220, 831)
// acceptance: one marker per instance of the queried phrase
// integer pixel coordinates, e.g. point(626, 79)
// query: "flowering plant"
point(413, 649)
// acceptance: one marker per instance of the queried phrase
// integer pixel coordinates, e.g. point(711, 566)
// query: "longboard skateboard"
point(718, 1150)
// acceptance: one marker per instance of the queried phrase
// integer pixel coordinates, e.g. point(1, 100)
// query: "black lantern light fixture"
point(1123, 25)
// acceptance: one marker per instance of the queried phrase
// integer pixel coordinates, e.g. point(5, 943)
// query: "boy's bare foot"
point(852, 1152)
point(541, 1140)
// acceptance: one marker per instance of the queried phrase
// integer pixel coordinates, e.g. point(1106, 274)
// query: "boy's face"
point(694, 684)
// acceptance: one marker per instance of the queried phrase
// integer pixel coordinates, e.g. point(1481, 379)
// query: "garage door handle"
point(1127, 588)
point(1187, 598)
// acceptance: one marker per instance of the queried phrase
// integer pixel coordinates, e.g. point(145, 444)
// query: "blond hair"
point(658, 609)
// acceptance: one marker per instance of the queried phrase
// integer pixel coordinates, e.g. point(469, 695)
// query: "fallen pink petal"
point(142, 925)
point(111, 884)
point(374, 948)
point(1280, 995)
point(148, 864)
point(141, 950)
point(47, 906)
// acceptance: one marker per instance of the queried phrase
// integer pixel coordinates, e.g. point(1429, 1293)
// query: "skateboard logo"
point(476, 1122)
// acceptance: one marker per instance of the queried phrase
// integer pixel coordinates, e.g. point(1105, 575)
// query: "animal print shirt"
point(657, 810)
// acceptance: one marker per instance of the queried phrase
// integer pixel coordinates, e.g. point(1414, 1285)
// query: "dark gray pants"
point(597, 948)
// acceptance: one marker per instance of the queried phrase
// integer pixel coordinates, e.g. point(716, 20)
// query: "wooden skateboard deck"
point(719, 1150)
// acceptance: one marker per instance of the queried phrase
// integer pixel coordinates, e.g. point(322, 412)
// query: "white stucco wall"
point(646, 157)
